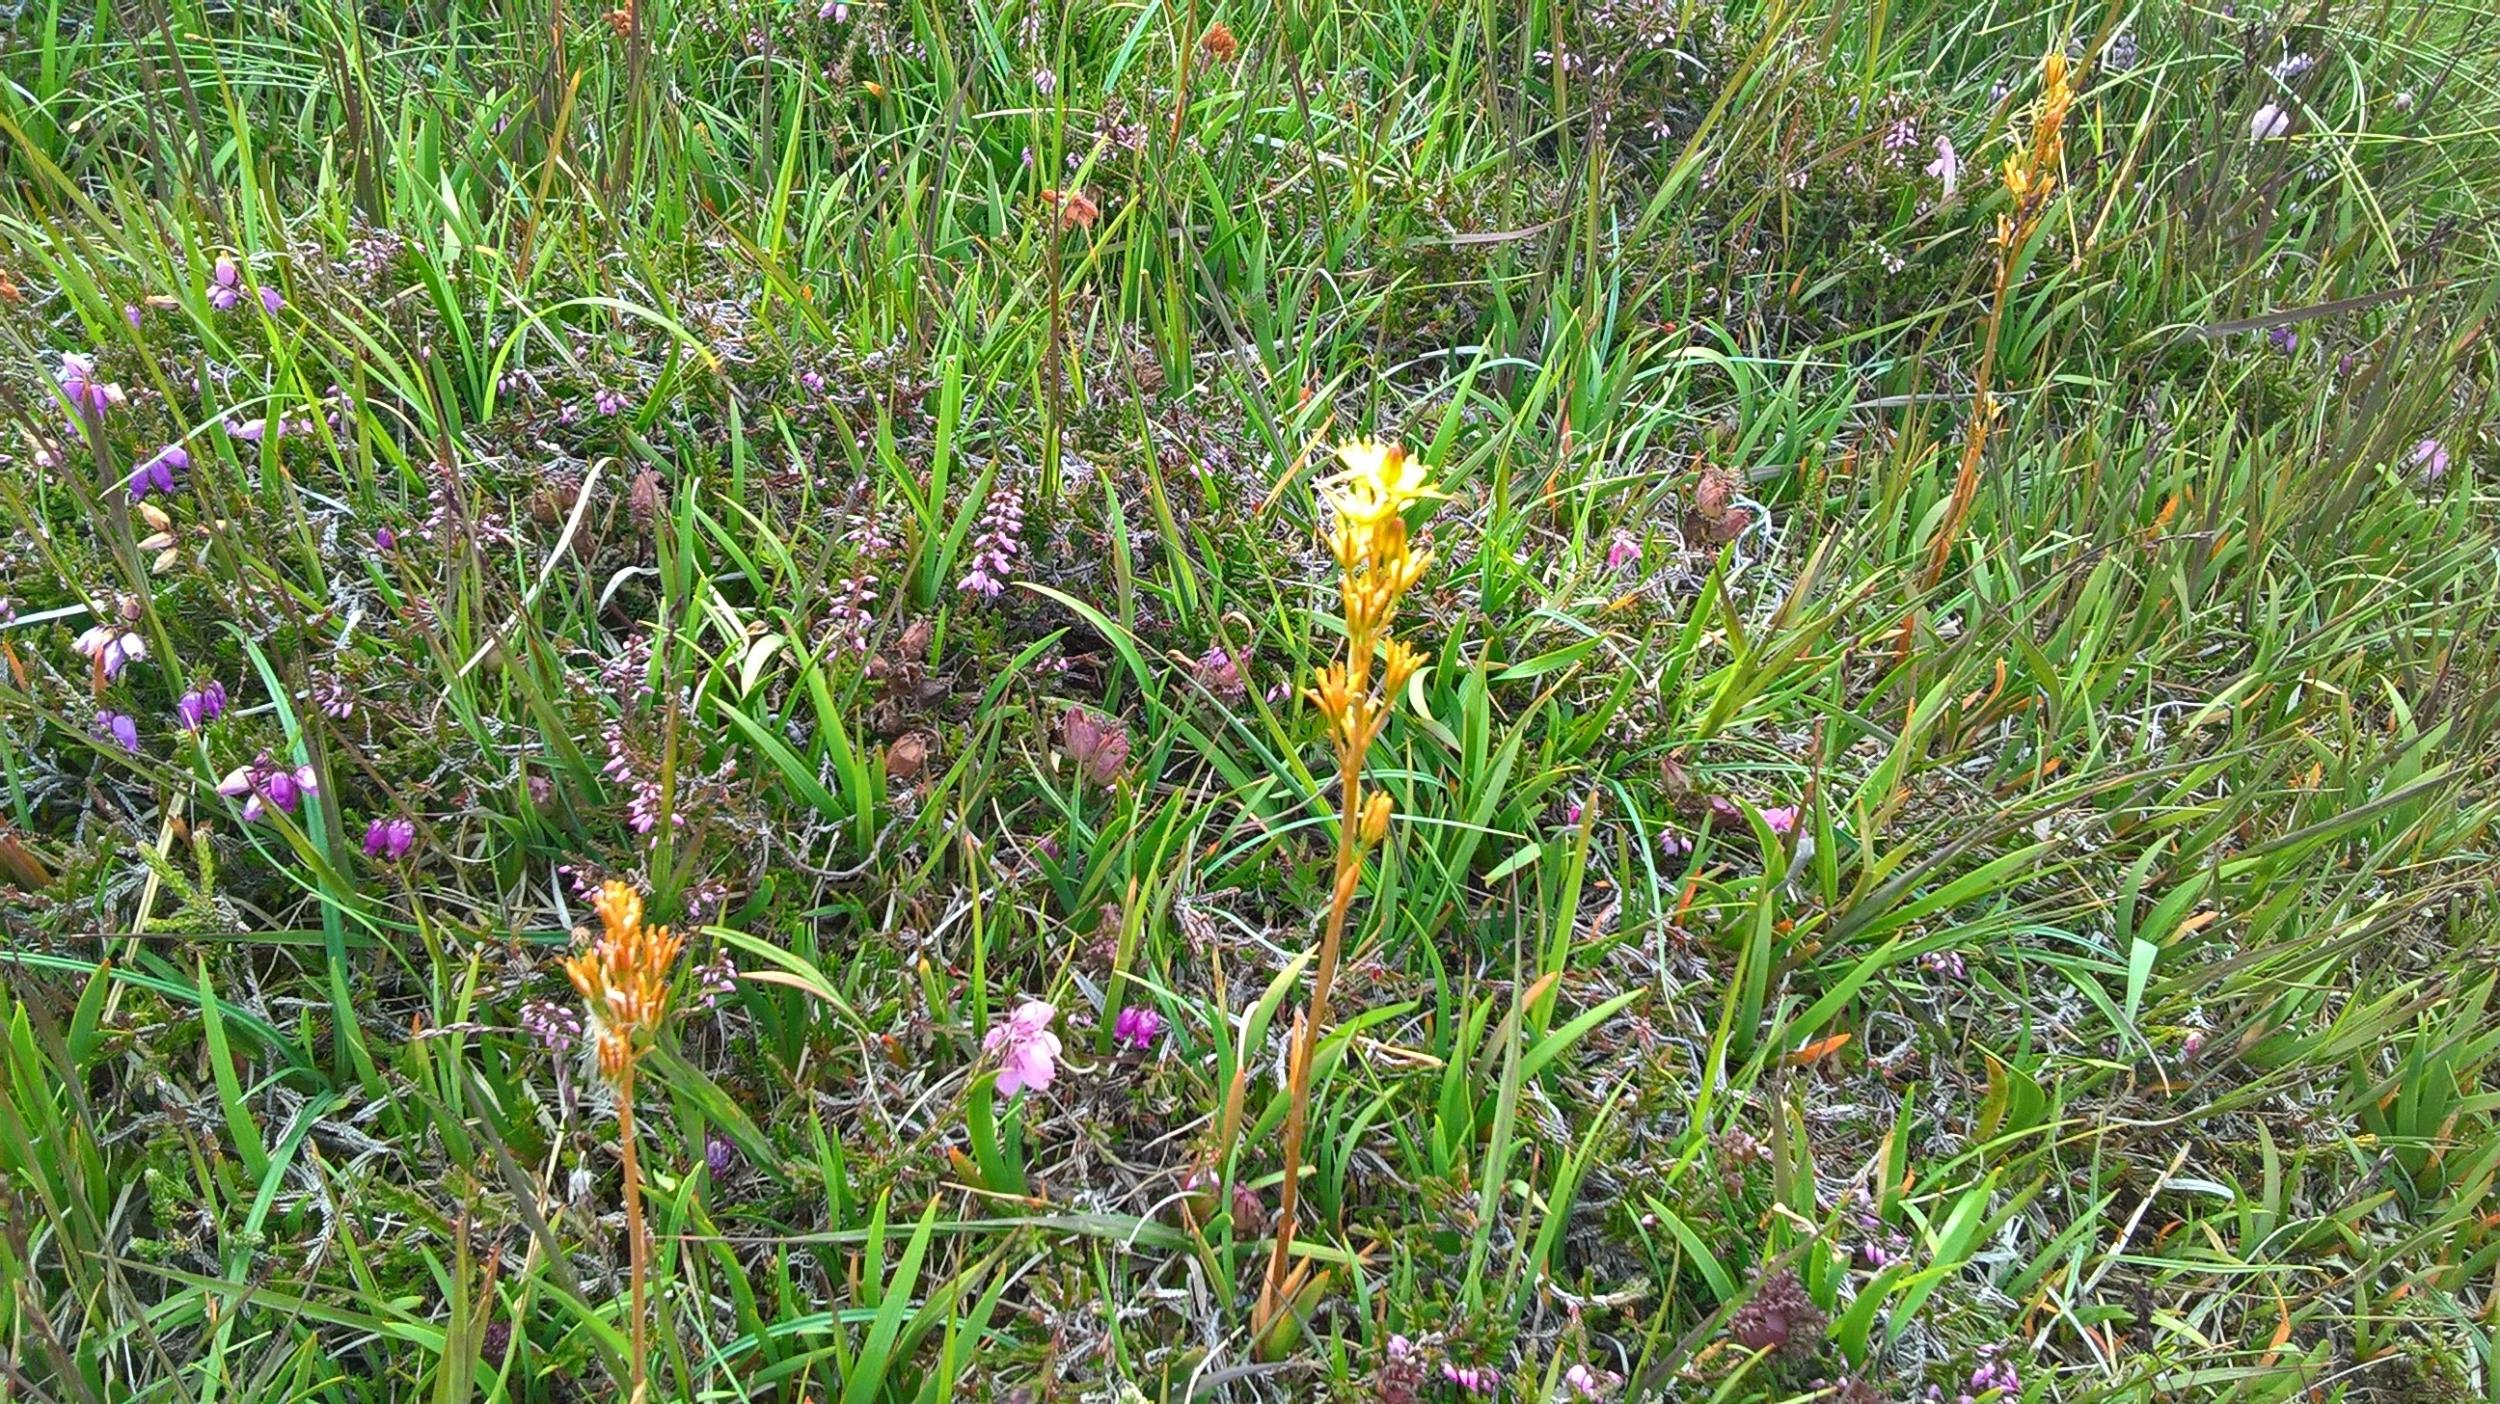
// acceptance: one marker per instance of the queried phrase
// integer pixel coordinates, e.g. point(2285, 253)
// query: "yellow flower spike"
point(622, 977)
point(1376, 819)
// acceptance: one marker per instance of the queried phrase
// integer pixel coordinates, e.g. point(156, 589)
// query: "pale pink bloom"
point(1782, 818)
point(1026, 1050)
point(1947, 167)
point(1622, 552)
point(2269, 123)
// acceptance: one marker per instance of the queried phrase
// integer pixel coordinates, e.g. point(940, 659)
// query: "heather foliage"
point(1190, 699)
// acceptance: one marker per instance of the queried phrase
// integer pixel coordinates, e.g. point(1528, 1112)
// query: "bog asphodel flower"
point(622, 977)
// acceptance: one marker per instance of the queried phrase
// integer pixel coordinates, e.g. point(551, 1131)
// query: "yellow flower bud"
point(1375, 819)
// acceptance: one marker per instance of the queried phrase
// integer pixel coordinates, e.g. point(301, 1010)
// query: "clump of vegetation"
point(1012, 700)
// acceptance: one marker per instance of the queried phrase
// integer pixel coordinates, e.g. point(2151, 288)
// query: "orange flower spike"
point(622, 977)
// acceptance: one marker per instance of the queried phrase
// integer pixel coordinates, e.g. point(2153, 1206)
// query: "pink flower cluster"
point(264, 784)
point(1000, 542)
point(1026, 1050)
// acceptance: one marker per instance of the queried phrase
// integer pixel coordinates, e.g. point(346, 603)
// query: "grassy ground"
point(1943, 842)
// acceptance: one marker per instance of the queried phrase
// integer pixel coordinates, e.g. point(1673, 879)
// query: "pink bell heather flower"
point(1221, 672)
point(2430, 460)
point(1026, 1050)
point(1472, 1379)
point(270, 301)
point(1138, 1027)
point(120, 727)
point(201, 705)
point(1584, 1382)
point(385, 539)
point(225, 285)
point(263, 784)
point(157, 474)
point(134, 315)
point(390, 839)
point(556, 1026)
point(1623, 553)
point(1782, 818)
point(2269, 123)
point(89, 397)
point(609, 400)
point(111, 648)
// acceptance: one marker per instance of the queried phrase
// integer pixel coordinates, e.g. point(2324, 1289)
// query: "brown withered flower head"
point(1219, 43)
point(1781, 1318)
point(1077, 210)
point(622, 977)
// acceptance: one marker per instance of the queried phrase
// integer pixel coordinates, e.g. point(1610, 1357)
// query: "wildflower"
point(2284, 340)
point(2430, 460)
point(1045, 82)
point(713, 979)
point(1219, 43)
point(1221, 673)
point(1947, 167)
point(1026, 1050)
point(157, 473)
point(1948, 964)
point(111, 648)
point(1077, 210)
point(2269, 123)
point(132, 314)
point(89, 397)
point(553, 1025)
point(1401, 1377)
point(1471, 1379)
point(1001, 540)
point(336, 700)
point(201, 705)
point(1098, 745)
point(1780, 1317)
point(225, 285)
point(270, 301)
point(390, 839)
point(263, 784)
point(1782, 819)
point(1138, 1027)
point(118, 726)
point(622, 978)
point(834, 10)
point(1623, 553)
point(1672, 843)
point(609, 400)
point(1584, 1382)
point(385, 539)
point(719, 1156)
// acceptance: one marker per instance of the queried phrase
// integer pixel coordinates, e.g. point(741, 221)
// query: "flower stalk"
point(2030, 179)
point(1377, 565)
point(623, 979)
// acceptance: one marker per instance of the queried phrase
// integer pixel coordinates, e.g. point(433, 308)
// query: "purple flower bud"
point(89, 397)
point(270, 301)
point(120, 727)
point(390, 839)
point(719, 1156)
point(2430, 460)
point(132, 314)
point(263, 784)
point(225, 285)
point(157, 473)
point(385, 539)
point(1138, 1027)
point(201, 705)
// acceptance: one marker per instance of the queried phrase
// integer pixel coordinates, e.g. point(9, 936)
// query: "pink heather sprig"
point(1000, 542)
point(644, 796)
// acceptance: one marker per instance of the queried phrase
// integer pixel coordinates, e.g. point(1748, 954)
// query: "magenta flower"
point(1098, 745)
point(120, 727)
point(1472, 1379)
point(157, 474)
point(1000, 542)
point(390, 839)
point(263, 784)
point(1138, 1027)
point(201, 705)
point(89, 397)
point(225, 285)
point(1782, 818)
point(2430, 460)
point(111, 648)
point(610, 401)
point(385, 539)
point(270, 301)
point(1026, 1050)
point(1623, 552)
